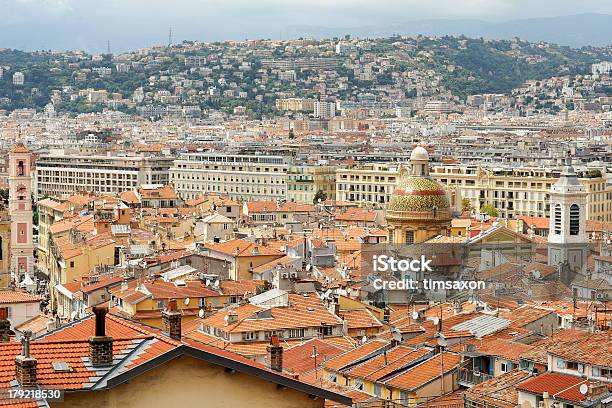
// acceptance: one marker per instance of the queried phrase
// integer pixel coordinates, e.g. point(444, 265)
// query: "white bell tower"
point(568, 242)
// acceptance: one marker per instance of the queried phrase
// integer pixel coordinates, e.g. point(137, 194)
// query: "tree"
point(490, 210)
point(320, 195)
point(466, 205)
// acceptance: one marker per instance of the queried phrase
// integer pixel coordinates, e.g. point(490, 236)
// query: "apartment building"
point(62, 173)
point(521, 191)
point(295, 104)
point(241, 177)
point(370, 184)
point(303, 182)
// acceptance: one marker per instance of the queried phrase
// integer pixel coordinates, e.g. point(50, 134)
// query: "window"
point(505, 367)
point(571, 365)
point(296, 333)
point(558, 219)
point(249, 336)
point(404, 397)
point(72, 264)
point(410, 237)
point(268, 335)
point(574, 223)
point(377, 390)
point(331, 377)
point(560, 363)
point(325, 331)
point(359, 384)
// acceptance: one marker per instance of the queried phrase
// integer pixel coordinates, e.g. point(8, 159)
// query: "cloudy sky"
point(129, 24)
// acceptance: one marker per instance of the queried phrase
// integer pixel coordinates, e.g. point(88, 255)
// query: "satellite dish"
point(226, 318)
point(186, 301)
point(435, 320)
point(364, 339)
point(414, 315)
point(201, 313)
point(73, 315)
point(308, 266)
point(397, 336)
point(584, 389)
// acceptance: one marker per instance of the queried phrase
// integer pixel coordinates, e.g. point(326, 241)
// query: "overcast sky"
point(129, 24)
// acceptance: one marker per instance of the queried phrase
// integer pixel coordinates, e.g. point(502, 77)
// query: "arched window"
point(574, 219)
point(557, 219)
point(20, 168)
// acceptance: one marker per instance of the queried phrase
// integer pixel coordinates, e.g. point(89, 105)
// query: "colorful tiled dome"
point(418, 194)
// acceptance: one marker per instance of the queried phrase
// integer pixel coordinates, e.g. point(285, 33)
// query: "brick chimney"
point(171, 320)
point(25, 365)
point(275, 354)
point(5, 326)
point(100, 345)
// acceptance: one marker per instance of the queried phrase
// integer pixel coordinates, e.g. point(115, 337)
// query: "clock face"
point(21, 189)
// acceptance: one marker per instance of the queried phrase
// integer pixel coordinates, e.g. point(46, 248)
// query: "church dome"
point(419, 154)
point(418, 194)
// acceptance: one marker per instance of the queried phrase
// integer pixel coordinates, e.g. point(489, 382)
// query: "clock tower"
point(20, 210)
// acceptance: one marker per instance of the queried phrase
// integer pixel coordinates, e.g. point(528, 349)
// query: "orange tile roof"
point(498, 391)
point(425, 372)
point(558, 386)
point(301, 358)
point(17, 296)
point(388, 362)
point(356, 355)
point(240, 247)
point(360, 318)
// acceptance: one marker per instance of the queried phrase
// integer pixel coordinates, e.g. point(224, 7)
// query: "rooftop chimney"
point(25, 365)
point(100, 345)
point(275, 354)
point(171, 320)
point(5, 326)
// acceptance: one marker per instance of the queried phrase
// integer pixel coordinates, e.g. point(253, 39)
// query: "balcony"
point(469, 378)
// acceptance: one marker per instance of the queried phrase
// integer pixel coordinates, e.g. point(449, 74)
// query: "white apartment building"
point(603, 67)
point(62, 173)
point(18, 78)
point(242, 177)
point(324, 110)
point(513, 191)
point(372, 183)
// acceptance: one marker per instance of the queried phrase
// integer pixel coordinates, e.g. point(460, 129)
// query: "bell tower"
point(568, 242)
point(20, 210)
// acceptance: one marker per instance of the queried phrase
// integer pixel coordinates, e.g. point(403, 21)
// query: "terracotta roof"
point(166, 192)
point(559, 386)
point(302, 313)
point(498, 391)
point(37, 324)
point(360, 318)
point(70, 344)
point(240, 287)
point(301, 358)
point(240, 247)
point(355, 215)
point(537, 222)
point(526, 314)
point(356, 355)
point(17, 296)
point(389, 362)
point(19, 147)
point(158, 289)
point(425, 372)
point(593, 348)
